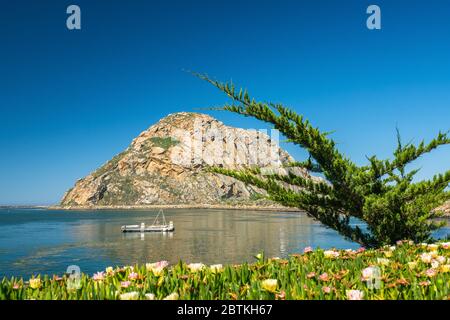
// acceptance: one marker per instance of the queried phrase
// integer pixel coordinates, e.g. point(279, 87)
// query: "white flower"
point(355, 295)
point(434, 264)
point(426, 257)
point(172, 296)
point(441, 259)
point(392, 248)
point(331, 254)
point(216, 268)
point(130, 296)
point(150, 296)
point(194, 267)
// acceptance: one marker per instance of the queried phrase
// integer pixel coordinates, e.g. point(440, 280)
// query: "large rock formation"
point(165, 165)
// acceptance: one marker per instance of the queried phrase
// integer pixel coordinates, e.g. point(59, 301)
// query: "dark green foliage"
point(382, 193)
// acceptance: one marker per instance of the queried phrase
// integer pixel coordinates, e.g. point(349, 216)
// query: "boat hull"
point(147, 229)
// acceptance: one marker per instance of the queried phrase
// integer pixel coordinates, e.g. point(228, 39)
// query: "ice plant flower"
point(311, 275)
point(129, 296)
point(326, 289)
point(324, 277)
point(432, 247)
point(441, 259)
point(331, 254)
point(215, 268)
point(194, 267)
point(125, 284)
point(133, 276)
point(99, 276)
point(361, 249)
point(307, 250)
point(172, 296)
point(383, 261)
point(445, 245)
point(150, 296)
point(430, 273)
point(412, 265)
point(35, 283)
point(270, 285)
point(445, 268)
point(387, 254)
point(109, 270)
point(158, 267)
point(435, 264)
point(426, 257)
point(355, 294)
point(16, 286)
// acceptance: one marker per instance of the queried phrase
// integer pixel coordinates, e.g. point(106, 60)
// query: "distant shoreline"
point(178, 206)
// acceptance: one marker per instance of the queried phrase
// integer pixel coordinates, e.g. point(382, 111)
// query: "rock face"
point(446, 208)
point(165, 165)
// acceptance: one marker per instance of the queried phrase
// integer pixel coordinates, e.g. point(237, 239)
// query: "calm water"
point(43, 241)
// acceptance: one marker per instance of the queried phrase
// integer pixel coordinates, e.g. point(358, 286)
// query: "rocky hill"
point(165, 165)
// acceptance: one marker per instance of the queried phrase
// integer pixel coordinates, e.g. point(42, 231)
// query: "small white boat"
point(155, 227)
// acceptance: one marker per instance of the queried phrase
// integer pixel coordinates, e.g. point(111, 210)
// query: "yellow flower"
point(109, 270)
point(383, 261)
point(35, 283)
point(388, 254)
point(270, 285)
point(412, 265)
point(432, 247)
point(445, 268)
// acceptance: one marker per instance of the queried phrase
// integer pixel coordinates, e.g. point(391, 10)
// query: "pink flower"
point(430, 273)
point(125, 284)
point(367, 274)
point(162, 264)
point(361, 249)
point(424, 283)
point(324, 277)
point(133, 276)
point(326, 289)
point(16, 286)
point(307, 250)
point(99, 276)
point(311, 275)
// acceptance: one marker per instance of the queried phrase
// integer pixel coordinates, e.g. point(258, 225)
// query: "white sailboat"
point(155, 227)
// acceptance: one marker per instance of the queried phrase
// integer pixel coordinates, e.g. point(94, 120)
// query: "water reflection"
point(49, 241)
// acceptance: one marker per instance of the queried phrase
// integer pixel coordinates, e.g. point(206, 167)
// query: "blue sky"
point(70, 100)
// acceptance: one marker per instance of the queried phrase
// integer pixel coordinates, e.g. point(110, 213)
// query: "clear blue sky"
point(70, 100)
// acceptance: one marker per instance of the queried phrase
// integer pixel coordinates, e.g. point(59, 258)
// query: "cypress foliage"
point(381, 193)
